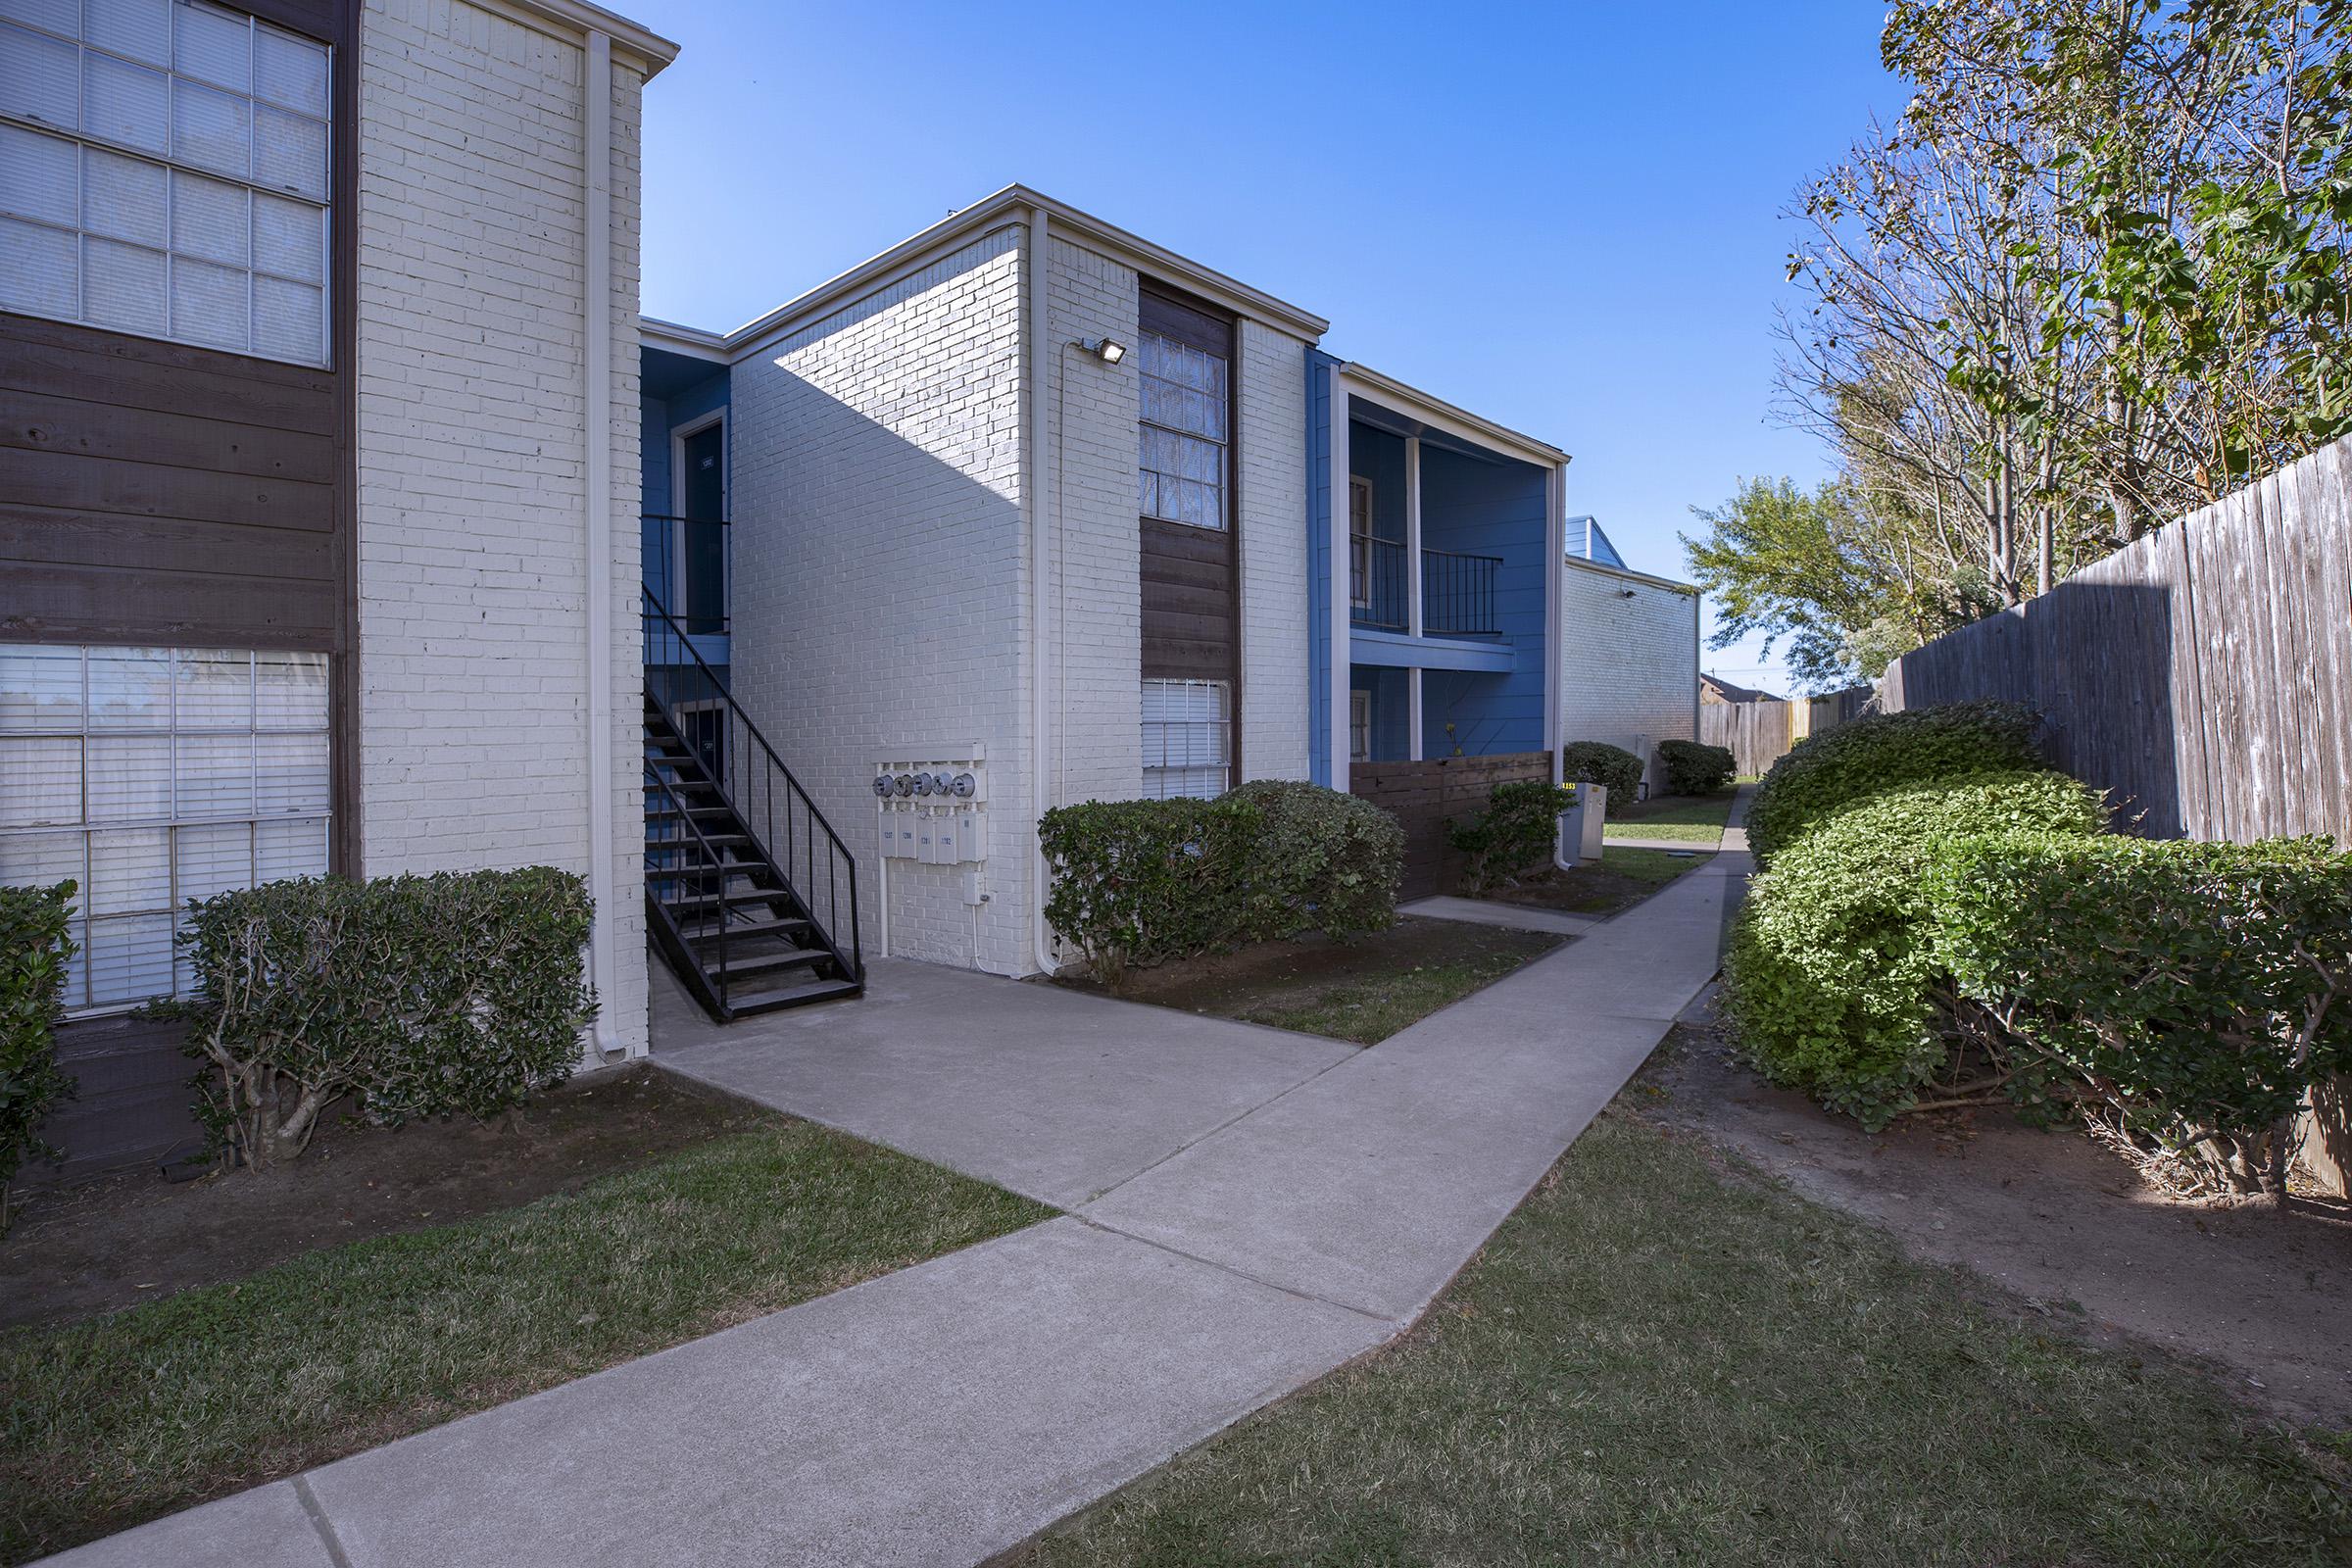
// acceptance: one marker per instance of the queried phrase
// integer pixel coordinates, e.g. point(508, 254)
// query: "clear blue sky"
point(1565, 216)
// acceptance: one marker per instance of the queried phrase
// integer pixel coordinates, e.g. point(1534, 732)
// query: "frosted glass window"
point(151, 776)
point(1188, 738)
point(194, 132)
point(1183, 434)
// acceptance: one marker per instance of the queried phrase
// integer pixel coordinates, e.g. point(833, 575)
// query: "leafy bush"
point(2190, 993)
point(1324, 860)
point(418, 994)
point(1833, 979)
point(1516, 832)
point(1612, 768)
point(1696, 769)
point(36, 946)
point(1141, 882)
point(1880, 751)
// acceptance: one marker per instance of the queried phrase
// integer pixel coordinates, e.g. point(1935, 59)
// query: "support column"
point(1413, 707)
point(1413, 549)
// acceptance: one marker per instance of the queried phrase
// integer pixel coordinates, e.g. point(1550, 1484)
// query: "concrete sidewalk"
point(1229, 1241)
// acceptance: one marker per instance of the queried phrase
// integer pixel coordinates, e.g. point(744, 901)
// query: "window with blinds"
point(1185, 399)
point(1188, 736)
point(151, 776)
point(163, 172)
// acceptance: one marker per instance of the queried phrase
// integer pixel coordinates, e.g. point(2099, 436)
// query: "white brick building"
point(1629, 660)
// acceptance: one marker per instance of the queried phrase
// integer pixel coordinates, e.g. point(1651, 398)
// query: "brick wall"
point(472, 493)
point(1274, 553)
point(1629, 665)
point(1422, 795)
point(879, 597)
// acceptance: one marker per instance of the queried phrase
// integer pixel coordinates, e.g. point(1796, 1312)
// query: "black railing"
point(785, 827)
point(1457, 594)
point(1457, 591)
point(688, 563)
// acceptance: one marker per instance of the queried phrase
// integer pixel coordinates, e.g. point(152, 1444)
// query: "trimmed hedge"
point(1612, 768)
point(1324, 860)
point(1696, 769)
point(1832, 978)
point(1878, 751)
point(1141, 882)
point(420, 995)
point(1517, 832)
point(2193, 993)
point(36, 949)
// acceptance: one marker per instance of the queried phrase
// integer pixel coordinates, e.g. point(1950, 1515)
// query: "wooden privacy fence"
point(2201, 676)
point(1423, 795)
point(1759, 734)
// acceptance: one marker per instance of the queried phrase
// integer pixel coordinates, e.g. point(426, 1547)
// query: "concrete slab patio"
point(1251, 1211)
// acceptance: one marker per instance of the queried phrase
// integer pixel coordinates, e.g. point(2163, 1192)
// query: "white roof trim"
point(1014, 204)
point(1655, 581)
point(1418, 404)
point(691, 341)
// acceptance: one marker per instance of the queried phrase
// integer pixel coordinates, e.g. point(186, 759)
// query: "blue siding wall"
point(659, 417)
point(1391, 710)
point(1318, 566)
point(1376, 455)
point(1489, 508)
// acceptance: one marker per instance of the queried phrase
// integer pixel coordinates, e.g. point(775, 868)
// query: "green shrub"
point(1612, 768)
point(37, 946)
point(1694, 768)
point(1516, 833)
point(1141, 882)
point(1880, 751)
point(1324, 860)
point(1832, 979)
point(2190, 993)
point(417, 994)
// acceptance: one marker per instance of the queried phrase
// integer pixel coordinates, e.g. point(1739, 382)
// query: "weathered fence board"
point(1759, 734)
point(2202, 675)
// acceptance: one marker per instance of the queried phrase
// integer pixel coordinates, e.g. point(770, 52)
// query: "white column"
point(596, 178)
point(1337, 570)
point(1412, 708)
point(1413, 549)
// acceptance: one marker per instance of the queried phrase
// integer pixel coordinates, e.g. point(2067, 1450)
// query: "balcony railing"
point(1457, 591)
point(687, 564)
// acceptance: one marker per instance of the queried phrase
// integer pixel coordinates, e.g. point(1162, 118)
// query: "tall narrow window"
point(1359, 543)
point(163, 172)
point(1187, 407)
point(1188, 732)
point(151, 776)
point(1359, 726)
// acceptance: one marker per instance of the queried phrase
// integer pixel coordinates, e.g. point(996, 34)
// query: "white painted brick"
point(472, 544)
point(1629, 665)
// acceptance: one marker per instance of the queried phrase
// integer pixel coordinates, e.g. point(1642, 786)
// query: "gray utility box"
point(1580, 824)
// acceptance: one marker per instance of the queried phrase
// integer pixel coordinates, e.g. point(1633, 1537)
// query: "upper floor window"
point(1184, 360)
point(163, 172)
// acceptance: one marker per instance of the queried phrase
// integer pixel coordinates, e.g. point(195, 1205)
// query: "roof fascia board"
point(691, 341)
point(1461, 423)
point(1631, 576)
point(1013, 204)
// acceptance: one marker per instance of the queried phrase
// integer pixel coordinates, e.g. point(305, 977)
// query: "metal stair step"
point(795, 958)
point(793, 996)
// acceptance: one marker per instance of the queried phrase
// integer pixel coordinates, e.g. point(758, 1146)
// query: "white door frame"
point(678, 496)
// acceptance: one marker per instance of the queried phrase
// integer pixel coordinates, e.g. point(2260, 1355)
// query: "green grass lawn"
point(1696, 818)
point(1660, 1359)
point(114, 1420)
point(1368, 1011)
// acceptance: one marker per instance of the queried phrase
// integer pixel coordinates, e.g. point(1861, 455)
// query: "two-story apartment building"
point(318, 473)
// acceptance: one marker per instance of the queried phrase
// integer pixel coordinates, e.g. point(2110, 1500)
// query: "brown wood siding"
point(159, 494)
point(1190, 577)
point(1422, 795)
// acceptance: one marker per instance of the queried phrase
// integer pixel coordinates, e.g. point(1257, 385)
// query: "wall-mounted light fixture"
point(1110, 351)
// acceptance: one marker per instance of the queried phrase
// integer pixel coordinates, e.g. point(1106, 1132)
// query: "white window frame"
point(675, 592)
point(1359, 724)
point(1157, 774)
point(169, 730)
point(1224, 523)
point(1359, 543)
point(82, 234)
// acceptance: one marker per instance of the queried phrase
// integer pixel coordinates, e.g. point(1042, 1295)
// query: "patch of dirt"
point(2255, 1292)
point(1274, 976)
point(133, 1237)
point(1591, 889)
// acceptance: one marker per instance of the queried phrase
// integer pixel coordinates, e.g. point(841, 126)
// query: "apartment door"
point(701, 457)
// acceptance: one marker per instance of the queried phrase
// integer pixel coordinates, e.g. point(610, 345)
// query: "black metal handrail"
point(1457, 594)
point(692, 560)
point(818, 865)
point(657, 856)
point(1457, 591)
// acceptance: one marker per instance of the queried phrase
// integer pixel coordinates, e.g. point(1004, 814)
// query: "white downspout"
point(1044, 362)
point(604, 971)
point(1340, 608)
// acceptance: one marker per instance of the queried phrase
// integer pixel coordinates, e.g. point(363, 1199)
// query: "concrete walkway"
point(1247, 1210)
point(1498, 912)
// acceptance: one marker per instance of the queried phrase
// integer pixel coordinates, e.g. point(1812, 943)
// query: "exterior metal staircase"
point(750, 894)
